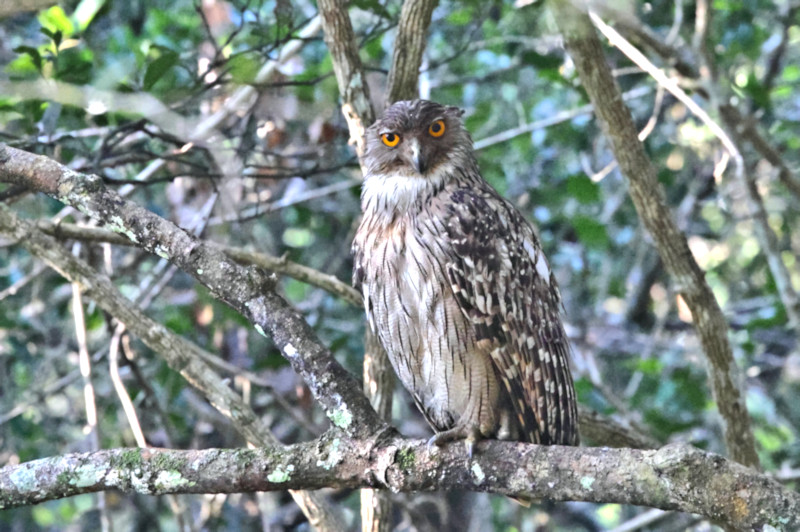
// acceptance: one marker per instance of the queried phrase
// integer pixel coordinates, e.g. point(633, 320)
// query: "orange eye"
point(436, 129)
point(390, 139)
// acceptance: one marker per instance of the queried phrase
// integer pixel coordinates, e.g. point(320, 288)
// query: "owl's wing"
point(504, 286)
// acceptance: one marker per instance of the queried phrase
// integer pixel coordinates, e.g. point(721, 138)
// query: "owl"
point(457, 288)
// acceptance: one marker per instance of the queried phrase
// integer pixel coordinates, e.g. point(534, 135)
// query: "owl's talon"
point(470, 445)
point(470, 435)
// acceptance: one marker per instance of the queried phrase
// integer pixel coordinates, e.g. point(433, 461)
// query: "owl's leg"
point(470, 434)
point(472, 427)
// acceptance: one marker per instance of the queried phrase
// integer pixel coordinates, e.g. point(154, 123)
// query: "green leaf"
point(755, 89)
point(583, 189)
point(297, 237)
point(373, 6)
point(33, 53)
point(791, 73)
point(541, 61)
point(179, 319)
point(55, 20)
point(43, 516)
point(462, 17)
point(55, 36)
point(74, 65)
point(243, 68)
point(650, 366)
point(158, 67)
point(591, 232)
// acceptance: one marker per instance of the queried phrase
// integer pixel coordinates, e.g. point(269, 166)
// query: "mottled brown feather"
point(457, 288)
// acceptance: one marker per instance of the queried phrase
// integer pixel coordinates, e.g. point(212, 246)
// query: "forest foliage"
point(120, 89)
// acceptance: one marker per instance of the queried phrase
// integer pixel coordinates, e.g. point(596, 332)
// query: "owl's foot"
point(469, 433)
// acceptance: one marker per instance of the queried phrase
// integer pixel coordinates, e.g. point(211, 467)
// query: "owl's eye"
point(436, 129)
point(390, 139)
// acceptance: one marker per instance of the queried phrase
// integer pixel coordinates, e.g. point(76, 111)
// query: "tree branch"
point(649, 199)
point(412, 33)
point(597, 429)
point(341, 41)
point(248, 290)
point(675, 477)
point(280, 265)
point(180, 354)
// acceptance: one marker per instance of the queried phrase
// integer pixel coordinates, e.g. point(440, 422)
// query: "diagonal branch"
point(649, 199)
point(181, 355)
point(675, 477)
point(249, 290)
point(595, 428)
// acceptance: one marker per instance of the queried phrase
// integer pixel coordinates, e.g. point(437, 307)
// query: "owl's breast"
point(411, 307)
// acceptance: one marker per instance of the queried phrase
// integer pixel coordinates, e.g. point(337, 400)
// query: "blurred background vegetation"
point(278, 176)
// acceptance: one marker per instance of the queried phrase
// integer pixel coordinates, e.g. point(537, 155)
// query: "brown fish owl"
point(457, 288)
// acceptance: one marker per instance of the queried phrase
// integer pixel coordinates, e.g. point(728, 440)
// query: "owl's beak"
point(417, 159)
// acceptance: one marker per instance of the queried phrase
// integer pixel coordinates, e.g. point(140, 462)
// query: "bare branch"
point(557, 118)
point(297, 271)
point(679, 58)
point(649, 199)
point(412, 33)
point(746, 128)
point(280, 265)
point(597, 429)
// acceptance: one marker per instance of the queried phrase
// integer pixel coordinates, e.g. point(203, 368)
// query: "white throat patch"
point(390, 194)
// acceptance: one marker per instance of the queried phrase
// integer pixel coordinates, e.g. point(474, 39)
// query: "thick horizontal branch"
point(675, 477)
point(249, 290)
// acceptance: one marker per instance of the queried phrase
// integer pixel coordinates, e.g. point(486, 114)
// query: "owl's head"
point(415, 138)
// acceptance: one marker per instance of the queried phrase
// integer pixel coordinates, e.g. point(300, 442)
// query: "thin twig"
point(90, 404)
point(119, 387)
point(632, 53)
point(561, 116)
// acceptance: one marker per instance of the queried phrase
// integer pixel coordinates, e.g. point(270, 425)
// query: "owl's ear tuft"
point(455, 110)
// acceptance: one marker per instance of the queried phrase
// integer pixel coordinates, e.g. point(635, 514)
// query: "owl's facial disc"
point(414, 139)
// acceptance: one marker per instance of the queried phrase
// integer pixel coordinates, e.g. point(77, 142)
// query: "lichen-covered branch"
point(180, 354)
point(249, 290)
point(648, 197)
point(675, 477)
